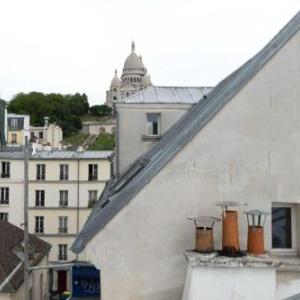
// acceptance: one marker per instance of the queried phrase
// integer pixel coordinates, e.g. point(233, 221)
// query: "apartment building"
point(18, 129)
point(49, 134)
point(63, 187)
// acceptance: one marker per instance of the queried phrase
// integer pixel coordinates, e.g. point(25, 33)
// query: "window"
point(32, 137)
point(39, 224)
point(283, 227)
point(41, 135)
point(153, 124)
point(40, 171)
point(5, 169)
point(13, 138)
point(63, 198)
point(14, 123)
point(92, 198)
point(4, 216)
point(4, 195)
point(93, 172)
point(114, 98)
point(62, 252)
point(63, 172)
point(62, 224)
point(40, 198)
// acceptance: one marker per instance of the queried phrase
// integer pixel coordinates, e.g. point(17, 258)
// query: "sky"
point(69, 46)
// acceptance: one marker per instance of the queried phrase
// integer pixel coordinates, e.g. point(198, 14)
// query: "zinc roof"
point(58, 154)
point(168, 95)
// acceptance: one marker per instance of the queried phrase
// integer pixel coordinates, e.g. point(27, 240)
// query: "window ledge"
point(151, 137)
point(288, 262)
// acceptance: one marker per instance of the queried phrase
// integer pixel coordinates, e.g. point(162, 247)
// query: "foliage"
point(64, 110)
point(104, 141)
point(100, 110)
point(76, 140)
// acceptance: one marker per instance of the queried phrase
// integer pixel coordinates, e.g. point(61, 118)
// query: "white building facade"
point(18, 129)
point(241, 143)
point(63, 188)
point(49, 134)
point(144, 117)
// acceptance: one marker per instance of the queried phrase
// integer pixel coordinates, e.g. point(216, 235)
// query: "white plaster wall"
point(95, 128)
point(26, 129)
point(288, 284)
point(34, 282)
point(248, 153)
point(230, 283)
point(54, 135)
point(132, 126)
point(5, 296)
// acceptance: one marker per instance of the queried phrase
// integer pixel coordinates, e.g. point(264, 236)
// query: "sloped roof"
point(119, 193)
point(168, 95)
point(10, 238)
point(56, 155)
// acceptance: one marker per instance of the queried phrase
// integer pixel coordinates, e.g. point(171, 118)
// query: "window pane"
point(153, 123)
point(281, 227)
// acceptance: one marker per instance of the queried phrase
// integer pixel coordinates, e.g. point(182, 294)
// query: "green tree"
point(100, 110)
point(64, 110)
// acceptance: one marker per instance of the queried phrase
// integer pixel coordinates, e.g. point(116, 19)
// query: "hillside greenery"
point(64, 110)
point(104, 141)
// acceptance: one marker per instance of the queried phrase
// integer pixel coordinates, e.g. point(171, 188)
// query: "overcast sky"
point(70, 46)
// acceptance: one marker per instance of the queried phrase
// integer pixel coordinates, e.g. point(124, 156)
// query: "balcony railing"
point(62, 257)
point(62, 229)
point(39, 229)
point(5, 175)
point(63, 203)
point(93, 177)
point(92, 203)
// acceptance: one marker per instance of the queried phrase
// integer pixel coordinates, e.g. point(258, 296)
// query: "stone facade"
point(134, 78)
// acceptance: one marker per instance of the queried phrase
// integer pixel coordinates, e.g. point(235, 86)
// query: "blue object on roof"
point(85, 282)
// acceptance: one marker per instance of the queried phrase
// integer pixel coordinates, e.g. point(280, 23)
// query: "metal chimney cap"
point(227, 203)
point(205, 219)
point(256, 212)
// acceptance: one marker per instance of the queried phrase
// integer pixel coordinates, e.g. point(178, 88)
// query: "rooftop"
point(12, 115)
point(58, 155)
point(168, 95)
point(11, 239)
point(118, 193)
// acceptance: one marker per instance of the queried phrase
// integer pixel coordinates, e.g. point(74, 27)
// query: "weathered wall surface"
point(250, 152)
point(230, 283)
point(132, 126)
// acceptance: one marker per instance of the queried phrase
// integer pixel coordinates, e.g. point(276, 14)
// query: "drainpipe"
point(77, 211)
point(116, 114)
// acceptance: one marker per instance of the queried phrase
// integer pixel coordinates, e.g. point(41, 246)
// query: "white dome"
point(134, 63)
point(116, 82)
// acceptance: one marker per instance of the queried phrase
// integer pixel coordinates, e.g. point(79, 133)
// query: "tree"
point(64, 110)
point(100, 110)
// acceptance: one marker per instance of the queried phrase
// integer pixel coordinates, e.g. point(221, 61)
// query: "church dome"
point(116, 82)
point(134, 63)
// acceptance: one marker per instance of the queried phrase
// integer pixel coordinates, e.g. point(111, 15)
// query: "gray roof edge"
point(182, 132)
